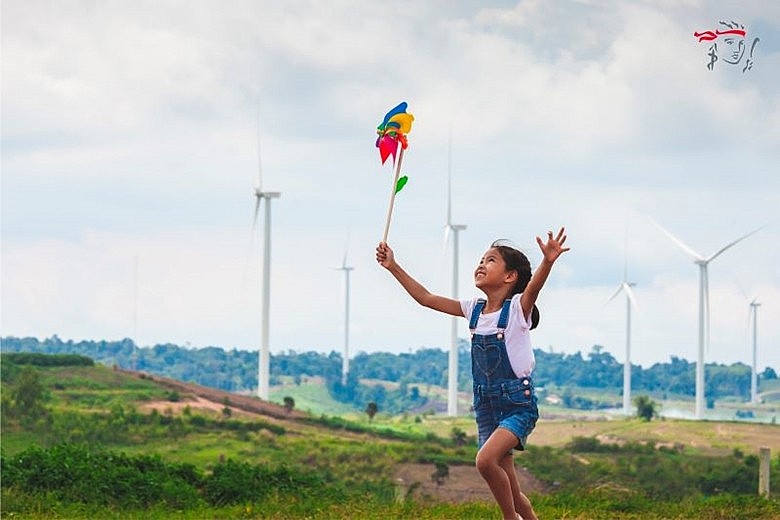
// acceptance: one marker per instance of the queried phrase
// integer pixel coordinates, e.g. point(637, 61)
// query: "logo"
point(728, 45)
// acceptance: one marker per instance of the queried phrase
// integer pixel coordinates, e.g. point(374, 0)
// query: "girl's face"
point(491, 271)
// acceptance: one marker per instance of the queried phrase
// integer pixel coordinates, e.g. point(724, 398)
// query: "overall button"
point(526, 382)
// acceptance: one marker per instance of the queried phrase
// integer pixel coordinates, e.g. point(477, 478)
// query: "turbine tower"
point(263, 368)
point(704, 308)
point(754, 305)
point(626, 286)
point(345, 358)
point(452, 373)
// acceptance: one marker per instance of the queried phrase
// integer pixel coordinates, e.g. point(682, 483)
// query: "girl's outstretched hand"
point(553, 248)
point(384, 255)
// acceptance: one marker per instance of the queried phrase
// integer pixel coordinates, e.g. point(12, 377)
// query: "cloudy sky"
point(130, 153)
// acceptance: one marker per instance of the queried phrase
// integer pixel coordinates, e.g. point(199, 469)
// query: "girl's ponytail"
point(515, 260)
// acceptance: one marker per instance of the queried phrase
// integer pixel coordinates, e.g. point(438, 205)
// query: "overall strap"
point(503, 318)
point(475, 314)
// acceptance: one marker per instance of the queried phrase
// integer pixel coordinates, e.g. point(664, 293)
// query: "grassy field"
point(139, 416)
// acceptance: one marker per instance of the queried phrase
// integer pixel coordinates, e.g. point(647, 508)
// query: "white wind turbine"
point(626, 286)
point(754, 305)
point(345, 359)
point(263, 368)
point(704, 308)
point(452, 372)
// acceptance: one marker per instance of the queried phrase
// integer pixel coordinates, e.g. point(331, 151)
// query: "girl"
point(501, 355)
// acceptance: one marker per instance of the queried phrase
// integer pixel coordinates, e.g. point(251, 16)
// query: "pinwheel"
point(390, 133)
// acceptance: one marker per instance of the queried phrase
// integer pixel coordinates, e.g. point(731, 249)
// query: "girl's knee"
point(484, 462)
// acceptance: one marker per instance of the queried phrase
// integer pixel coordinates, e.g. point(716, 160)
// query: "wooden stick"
point(392, 195)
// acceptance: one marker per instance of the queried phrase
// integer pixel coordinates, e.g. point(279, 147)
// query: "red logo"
point(728, 45)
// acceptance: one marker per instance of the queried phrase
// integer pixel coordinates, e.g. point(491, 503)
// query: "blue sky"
point(129, 138)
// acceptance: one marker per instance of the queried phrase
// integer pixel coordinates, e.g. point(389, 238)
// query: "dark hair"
point(515, 260)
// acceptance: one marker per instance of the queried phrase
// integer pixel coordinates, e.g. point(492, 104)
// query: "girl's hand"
point(553, 248)
point(384, 255)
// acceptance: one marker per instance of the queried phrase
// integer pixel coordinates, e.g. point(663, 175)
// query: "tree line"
point(236, 370)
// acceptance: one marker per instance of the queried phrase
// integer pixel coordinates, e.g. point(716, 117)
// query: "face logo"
point(728, 45)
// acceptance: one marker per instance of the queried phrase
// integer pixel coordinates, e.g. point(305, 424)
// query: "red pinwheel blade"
point(387, 147)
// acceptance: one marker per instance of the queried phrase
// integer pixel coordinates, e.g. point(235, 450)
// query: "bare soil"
point(464, 483)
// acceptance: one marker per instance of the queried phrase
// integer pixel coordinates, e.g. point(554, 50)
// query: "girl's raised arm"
point(551, 250)
point(386, 258)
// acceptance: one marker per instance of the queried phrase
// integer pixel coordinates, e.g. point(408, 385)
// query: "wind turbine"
point(452, 375)
point(754, 305)
point(704, 307)
point(626, 286)
point(345, 358)
point(263, 368)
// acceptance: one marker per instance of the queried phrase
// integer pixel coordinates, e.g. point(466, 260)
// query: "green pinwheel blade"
point(401, 183)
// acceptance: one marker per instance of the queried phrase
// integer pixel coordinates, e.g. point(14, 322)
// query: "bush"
point(47, 360)
point(234, 482)
point(76, 473)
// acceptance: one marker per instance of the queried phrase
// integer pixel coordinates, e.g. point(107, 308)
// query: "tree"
point(28, 396)
point(289, 403)
point(645, 407)
point(371, 410)
point(458, 436)
point(226, 411)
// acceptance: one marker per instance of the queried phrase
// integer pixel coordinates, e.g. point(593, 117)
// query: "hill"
point(386, 464)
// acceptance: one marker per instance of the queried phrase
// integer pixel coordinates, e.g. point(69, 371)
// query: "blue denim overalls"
point(500, 397)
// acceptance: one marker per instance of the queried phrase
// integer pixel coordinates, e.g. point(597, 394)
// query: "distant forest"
point(236, 370)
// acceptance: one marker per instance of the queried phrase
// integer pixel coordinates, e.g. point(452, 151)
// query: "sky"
point(133, 133)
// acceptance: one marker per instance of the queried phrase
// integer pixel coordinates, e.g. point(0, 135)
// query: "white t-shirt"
point(516, 335)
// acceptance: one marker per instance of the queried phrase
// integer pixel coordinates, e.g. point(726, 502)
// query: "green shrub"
point(77, 473)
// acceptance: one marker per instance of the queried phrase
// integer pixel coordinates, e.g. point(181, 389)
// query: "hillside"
point(463, 483)
point(408, 382)
point(186, 423)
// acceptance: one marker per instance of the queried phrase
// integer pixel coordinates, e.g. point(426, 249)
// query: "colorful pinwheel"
point(392, 131)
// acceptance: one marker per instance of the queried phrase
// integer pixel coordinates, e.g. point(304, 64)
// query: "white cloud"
point(131, 130)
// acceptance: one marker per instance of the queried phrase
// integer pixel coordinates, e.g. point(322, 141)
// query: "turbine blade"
point(259, 154)
point(677, 241)
point(614, 294)
point(346, 248)
point(625, 254)
point(258, 198)
point(740, 239)
point(447, 231)
point(631, 297)
point(449, 178)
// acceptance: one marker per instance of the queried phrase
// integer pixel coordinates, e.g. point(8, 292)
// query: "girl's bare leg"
point(522, 504)
point(489, 465)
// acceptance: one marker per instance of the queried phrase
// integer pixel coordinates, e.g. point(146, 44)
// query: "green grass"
point(310, 396)
point(602, 505)
point(353, 450)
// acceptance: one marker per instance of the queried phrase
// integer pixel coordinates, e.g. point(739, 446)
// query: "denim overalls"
point(500, 398)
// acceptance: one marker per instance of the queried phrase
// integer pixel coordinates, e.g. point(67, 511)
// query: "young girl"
point(501, 355)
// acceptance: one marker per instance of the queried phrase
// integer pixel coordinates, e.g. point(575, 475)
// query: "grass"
point(359, 453)
point(596, 506)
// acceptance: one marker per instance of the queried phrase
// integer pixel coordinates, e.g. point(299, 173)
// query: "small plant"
point(458, 436)
point(371, 410)
point(289, 403)
point(441, 473)
point(645, 407)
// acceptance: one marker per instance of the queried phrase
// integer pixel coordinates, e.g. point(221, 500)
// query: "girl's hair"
point(515, 260)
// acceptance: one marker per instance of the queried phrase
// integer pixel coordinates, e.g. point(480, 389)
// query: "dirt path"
point(464, 483)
